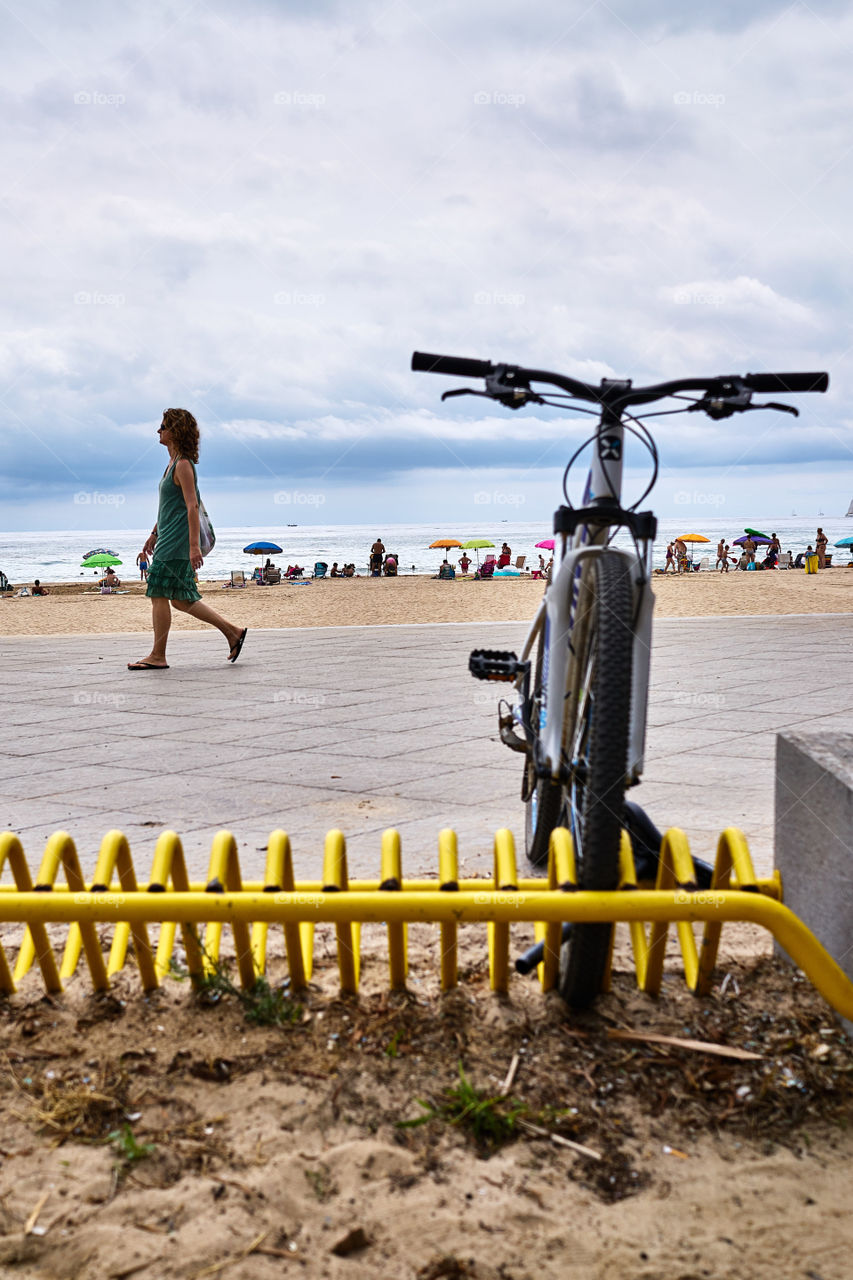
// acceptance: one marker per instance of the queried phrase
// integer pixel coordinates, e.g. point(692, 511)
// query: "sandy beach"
point(187, 1138)
point(71, 609)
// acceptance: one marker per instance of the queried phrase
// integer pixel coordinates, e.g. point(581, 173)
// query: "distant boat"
point(850, 508)
point(820, 513)
point(293, 526)
point(793, 513)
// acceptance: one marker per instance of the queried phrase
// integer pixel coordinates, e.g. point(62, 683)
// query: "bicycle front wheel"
point(598, 708)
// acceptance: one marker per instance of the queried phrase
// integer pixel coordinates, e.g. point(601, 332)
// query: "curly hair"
point(184, 429)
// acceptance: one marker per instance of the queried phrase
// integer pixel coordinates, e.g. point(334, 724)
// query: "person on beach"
point(111, 580)
point(670, 558)
point(335, 572)
point(377, 551)
point(465, 562)
point(174, 542)
point(724, 557)
point(142, 561)
point(820, 547)
point(505, 556)
point(721, 554)
point(39, 590)
point(749, 549)
point(681, 555)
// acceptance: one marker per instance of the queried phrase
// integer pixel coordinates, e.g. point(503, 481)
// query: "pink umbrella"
point(547, 544)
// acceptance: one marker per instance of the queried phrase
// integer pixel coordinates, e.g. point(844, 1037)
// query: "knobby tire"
point(596, 743)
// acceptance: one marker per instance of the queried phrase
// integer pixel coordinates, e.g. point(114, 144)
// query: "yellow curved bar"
point(562, 874)
point(298, 937)
point(114, 856)
point(168, 867)
point(335, 878)
point(392, 874)
point(506, 881)
point(35, 942)
point(448, 878)
point(225, 868)
point(60, 851)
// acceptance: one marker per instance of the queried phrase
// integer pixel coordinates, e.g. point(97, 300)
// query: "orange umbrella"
point(445, 543)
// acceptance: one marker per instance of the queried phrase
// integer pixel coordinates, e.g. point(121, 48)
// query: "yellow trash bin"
point(811, 563)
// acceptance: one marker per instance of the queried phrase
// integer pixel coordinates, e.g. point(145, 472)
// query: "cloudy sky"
point(258, 210)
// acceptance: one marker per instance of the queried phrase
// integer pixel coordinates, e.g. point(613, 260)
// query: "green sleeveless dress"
point(171, 574)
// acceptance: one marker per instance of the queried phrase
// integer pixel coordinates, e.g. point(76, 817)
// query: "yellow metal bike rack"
point(170, 900)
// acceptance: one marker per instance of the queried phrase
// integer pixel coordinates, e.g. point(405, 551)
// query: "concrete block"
point(814, 836)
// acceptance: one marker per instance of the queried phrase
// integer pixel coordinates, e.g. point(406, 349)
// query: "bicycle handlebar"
point(787, 381)
point(622, 392)
point(422, 362)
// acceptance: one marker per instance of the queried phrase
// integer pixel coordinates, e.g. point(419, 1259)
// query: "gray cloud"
point(259, 213)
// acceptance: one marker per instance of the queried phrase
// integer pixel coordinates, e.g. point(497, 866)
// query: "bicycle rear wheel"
point(598, 708)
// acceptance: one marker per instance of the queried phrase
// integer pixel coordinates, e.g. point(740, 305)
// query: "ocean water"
point(56, 557)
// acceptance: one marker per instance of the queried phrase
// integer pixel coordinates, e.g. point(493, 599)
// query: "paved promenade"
point(365, 728)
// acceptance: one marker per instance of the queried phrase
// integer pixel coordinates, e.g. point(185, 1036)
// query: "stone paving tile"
point(410, 737)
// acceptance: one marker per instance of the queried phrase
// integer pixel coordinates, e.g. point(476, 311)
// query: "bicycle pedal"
point(495, 664)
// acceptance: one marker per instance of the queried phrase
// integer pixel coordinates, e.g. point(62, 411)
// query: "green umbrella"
point(475, 544)
point(756, 533)
point(99, 561)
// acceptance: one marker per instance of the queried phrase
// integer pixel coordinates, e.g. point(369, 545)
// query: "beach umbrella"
point(760, 540)
point(100, 551)
point(262, 549)
point(445, 543)
point(547, 544)
point(693, 537)
point(844, 542)
point(99, 560)
point(756, 533)
point(476, 544)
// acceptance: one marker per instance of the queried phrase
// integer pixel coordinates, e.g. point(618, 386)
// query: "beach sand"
point(185, 1141)
point(71, 609)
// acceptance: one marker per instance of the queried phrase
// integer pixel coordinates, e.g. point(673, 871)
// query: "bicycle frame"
point(557, 617)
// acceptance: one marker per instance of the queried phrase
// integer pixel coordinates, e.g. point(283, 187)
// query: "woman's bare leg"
point(161, 618)
point(204, 613)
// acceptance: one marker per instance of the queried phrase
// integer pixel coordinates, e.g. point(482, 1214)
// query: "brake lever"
point(464, 391)
point(783, 408)
point(513, 398)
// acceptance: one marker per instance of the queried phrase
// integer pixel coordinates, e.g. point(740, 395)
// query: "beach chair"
point(487, 568)
point(238, 578)
point(272, 577)
point(520, 562)
point(784, 561)
point(447, 572)
point(320, 569)
point(704, 563)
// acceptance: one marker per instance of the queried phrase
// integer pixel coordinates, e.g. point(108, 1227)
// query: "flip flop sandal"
point(147, 666)
point(237, 646)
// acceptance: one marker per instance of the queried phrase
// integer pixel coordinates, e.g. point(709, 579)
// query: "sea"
point(57, 556)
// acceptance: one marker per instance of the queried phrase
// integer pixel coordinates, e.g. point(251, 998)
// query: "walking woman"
point(174, 541)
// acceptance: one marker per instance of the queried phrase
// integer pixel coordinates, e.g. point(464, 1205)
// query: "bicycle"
point(583, 676)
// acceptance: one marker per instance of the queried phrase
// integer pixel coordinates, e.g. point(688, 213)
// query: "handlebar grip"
point(422, 362)
point(783, 382)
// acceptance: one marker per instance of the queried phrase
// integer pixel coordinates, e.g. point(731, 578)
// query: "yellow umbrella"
point(693, 537)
